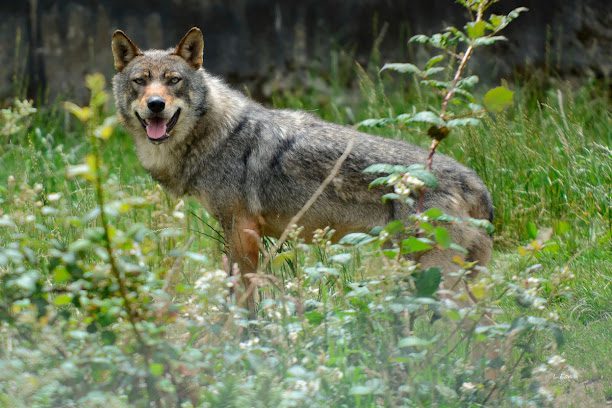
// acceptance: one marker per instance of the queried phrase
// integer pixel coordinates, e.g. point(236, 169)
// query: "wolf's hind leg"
point(243, 240)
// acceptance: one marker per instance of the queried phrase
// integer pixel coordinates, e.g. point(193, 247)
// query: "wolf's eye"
point(139, 81)
point(174, 80)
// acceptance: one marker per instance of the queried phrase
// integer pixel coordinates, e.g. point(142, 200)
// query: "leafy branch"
point(480, 31)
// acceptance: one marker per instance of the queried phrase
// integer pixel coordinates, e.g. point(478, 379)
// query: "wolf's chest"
point(162, 166)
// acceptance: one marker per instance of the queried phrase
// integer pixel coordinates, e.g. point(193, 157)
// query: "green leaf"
point(453, 123)
point(427, 117)
point(425, 176)
point(434, 60)
point(386, 168)
point(462, 92)
point(314, 317)
point(532, 230)
point(401, 67)
point(468, 82)
point(413, 341)
point(390, 196)
point(432, 71)
point(498, 99)
point(427, 227)
point(156, 369)
point(433, 213)
point(379, 181)
point(62, 300)
point(80, 245)
point(427, 282)
point(496, 21)
point(280, 259)
point(476, 29)
point(435, 83)
point(342, 259)
point(390, 253)
point(514, 14)
point(442, 237)
point(489, 40)
point(413, 244)
point(374, 123)
point(394, 227)
point(561, 227)
point(61, 275)
point(458, 248)
point(484, 224)
point(356, 238)
point(453, 314)
point(108, 337)
point(419, 38)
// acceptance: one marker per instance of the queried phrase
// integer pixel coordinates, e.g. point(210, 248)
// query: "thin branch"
point(451, 91)
point(511, 373)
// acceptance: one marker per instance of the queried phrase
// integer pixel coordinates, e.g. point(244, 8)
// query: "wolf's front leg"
point(242, 234)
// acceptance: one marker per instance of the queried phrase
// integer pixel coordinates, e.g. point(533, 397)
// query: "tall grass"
point(332, 319)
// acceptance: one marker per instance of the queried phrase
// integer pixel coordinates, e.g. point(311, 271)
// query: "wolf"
point(253, 168)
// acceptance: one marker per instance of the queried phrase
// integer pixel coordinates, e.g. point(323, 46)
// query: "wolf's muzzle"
point(156, 104)
point(158, 128)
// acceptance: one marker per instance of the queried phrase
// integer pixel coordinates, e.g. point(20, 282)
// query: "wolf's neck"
point(224, 108)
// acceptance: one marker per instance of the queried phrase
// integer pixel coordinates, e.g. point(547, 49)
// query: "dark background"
point(49, 45)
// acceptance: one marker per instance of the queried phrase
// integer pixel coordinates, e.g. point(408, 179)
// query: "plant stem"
point(451, 90)
point(146, 353)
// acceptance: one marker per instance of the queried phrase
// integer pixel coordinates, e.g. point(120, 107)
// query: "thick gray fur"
point(241, 159)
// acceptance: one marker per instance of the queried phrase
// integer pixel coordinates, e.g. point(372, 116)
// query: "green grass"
point(547, 162)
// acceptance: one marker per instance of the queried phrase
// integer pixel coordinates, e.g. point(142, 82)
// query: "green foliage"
point(498, 99)
point(370, 330)
point(456, 100)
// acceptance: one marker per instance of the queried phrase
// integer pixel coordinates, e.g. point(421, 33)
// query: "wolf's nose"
point(156, 104)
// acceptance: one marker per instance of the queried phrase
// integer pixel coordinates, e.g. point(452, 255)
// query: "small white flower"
point(556, 361)
point(541, 369)
point(468, 387)
point(545, 393)
point(533, 281)
point(413, 181)
point(54, 196)
point(570, 373)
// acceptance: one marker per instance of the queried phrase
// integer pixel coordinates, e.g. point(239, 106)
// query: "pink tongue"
point(156, 129)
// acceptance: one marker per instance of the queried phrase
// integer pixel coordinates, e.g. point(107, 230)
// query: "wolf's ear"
point(124, 50)
point(191, 48)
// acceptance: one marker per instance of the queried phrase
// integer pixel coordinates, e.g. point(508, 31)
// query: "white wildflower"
point(468, 387)
point(556, 361)
point(570, 373)
point(412, 181)
point(54, 196)
point(546, 394)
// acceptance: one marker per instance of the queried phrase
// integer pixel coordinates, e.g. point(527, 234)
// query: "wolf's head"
point(160, 94)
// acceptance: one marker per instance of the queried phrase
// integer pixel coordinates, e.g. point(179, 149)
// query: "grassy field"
point(331, 324)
